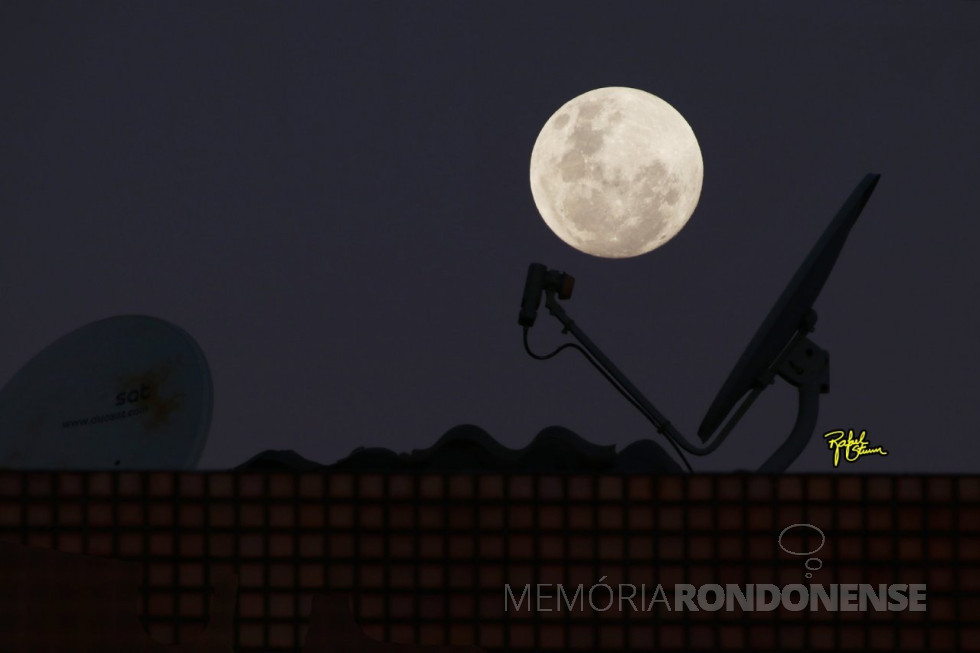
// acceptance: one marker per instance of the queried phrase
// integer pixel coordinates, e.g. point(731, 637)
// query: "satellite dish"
point(126, 392)
point(789, 312)
point(780, 346)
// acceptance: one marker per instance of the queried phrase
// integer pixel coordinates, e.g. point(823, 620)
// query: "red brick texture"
point(426, 559)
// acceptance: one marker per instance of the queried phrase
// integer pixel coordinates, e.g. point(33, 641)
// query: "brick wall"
point(426, 558)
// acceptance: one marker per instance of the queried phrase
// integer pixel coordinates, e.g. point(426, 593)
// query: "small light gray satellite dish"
point(126, 392)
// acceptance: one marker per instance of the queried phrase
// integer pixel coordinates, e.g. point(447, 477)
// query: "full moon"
point(616, 172)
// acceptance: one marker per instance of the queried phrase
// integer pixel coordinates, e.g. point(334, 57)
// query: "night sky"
point(333, 199)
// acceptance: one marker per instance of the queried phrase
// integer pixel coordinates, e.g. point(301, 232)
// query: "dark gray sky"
point(333, 199)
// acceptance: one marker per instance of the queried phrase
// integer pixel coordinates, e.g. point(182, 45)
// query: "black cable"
point(608, 377)
point(581, 350)
point(545, 357)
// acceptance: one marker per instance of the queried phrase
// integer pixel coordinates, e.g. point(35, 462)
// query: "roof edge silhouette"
point(469, 448)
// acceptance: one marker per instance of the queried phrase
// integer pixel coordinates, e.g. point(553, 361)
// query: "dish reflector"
point(126, 392)
point(787, 314)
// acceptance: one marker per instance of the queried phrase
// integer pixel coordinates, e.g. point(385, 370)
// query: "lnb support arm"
point(662, 423)
point(802, 363)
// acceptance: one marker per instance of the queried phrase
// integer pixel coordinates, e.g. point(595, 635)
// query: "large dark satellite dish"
point(780, 347)
point(788, 315)
point(127, 392)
